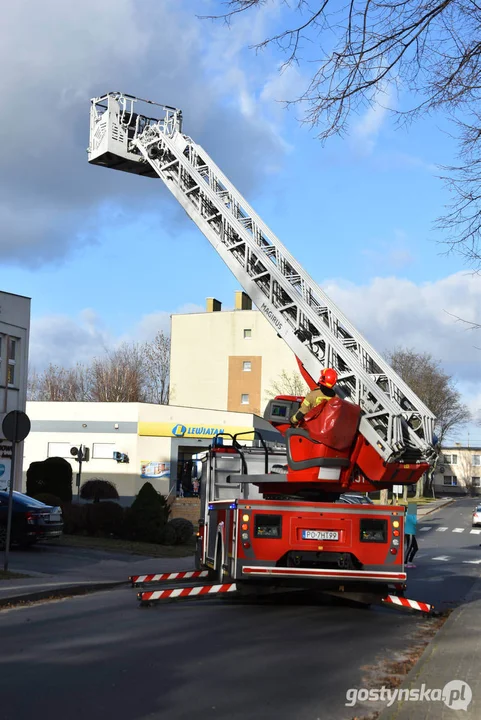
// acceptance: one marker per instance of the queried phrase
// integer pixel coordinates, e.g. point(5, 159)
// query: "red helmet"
point(328, 377)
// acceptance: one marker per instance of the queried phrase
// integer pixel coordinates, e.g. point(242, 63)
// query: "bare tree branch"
point(375, 47)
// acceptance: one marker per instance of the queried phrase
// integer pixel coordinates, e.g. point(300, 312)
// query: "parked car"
point(477, 516)
point(32, 520)
point(355, 498)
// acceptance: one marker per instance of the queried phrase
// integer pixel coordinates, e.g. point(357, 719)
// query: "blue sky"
point(103, 255)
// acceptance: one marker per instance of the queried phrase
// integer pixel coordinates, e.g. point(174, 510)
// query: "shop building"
point(157, 443)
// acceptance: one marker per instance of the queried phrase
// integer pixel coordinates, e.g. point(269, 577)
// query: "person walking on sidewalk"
point(410, 527)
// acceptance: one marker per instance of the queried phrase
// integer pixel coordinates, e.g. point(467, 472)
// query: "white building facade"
point(14, 339)
point(458, 470)
point(158, 440)
point(227, 359)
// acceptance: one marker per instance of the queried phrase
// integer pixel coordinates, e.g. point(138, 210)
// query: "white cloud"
point(396, 312)
point(65, 341)
point(56, 56)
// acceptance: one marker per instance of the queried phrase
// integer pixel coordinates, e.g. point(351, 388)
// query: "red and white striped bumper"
point(163, 577)
point(368, 576)
point(155, 595)
point(410, 604)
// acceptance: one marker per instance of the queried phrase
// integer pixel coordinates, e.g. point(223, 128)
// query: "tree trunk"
point(420, 487)
point(384, 497)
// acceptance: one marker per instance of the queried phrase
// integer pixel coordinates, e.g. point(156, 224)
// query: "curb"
point(58, 593)
point(449, 502)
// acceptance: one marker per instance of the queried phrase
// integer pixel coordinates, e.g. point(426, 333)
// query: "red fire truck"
point(271, 518)
point(269, 514)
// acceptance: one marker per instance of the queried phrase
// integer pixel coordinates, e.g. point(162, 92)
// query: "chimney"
point(242, 301)
point(213, 305)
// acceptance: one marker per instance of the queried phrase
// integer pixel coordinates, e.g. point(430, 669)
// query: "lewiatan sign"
point(179, 430)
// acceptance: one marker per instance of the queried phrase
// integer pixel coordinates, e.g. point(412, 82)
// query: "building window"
point(244, 399)
point(12, 359)
point(247, 333)
point(476, 459)
point(247, 366)
point(451, 459)
point(476, 481)
point(450, 480)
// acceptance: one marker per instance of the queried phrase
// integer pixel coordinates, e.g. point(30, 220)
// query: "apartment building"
point(458, 471)
point(227, 359)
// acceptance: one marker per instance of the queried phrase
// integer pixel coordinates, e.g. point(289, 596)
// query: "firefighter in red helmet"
point(323, 393)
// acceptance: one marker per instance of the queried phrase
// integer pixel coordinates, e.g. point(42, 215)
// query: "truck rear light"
point(267, 526)
point(246, 545)
point(396, 533)
point(374, 531)
point(393, 551)
point(244, 526)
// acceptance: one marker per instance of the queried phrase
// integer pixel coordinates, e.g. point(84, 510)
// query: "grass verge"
point(126, 546)
point(11, 575)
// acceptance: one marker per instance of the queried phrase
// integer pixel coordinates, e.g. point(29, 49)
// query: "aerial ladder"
point(396, 430)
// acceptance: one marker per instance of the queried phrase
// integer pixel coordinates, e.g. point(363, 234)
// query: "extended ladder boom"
point(394, 420)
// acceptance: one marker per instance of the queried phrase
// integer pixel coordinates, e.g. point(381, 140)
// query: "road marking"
point(458, 530)
point(445, 558)
point(472, 562)
point(442, 529)
point(475, 532)
point(425, 529)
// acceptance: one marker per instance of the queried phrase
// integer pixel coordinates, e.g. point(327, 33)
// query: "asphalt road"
point(449, 557)
point(84, 563)
point(290, 658)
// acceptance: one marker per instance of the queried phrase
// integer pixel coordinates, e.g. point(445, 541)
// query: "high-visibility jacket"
point(312, 400)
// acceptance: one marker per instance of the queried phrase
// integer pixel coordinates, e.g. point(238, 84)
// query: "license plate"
point(54, 518)
point(320, 535)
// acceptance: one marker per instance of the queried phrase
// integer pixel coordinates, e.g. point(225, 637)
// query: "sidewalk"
point(424, 510)
point(454, 654)
point(104, 574)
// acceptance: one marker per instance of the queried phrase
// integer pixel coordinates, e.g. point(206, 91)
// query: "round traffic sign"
point(16, 426)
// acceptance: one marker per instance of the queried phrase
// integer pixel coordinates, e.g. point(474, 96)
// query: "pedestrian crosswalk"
point(473, 531)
